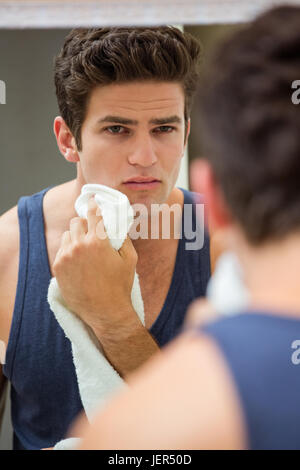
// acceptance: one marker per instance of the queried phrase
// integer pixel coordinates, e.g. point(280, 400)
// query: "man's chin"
point(142, 197)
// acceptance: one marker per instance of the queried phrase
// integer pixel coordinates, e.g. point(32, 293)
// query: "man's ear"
point(187, 132)
point(203, 181)
point(65, 140)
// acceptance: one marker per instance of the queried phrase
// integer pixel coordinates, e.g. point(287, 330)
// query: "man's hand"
point(96, 280)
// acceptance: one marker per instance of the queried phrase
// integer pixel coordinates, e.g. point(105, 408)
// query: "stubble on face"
point(112, 159)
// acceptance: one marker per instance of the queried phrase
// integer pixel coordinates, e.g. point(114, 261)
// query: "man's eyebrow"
point(119, 120)
point(166, 120)
point(132, 122)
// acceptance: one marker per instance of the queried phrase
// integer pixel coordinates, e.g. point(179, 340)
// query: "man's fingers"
point(78, 228)
point(65, 240)
point(94, 216)
point(64, 244)
point(127, 250)
point(95, 221)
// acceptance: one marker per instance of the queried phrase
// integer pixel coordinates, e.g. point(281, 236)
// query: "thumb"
point(127, 250)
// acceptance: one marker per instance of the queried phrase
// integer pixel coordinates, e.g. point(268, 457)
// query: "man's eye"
point(164, 129)
point(116, 129)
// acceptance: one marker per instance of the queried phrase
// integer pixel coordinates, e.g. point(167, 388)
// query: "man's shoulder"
point(58, 206)
point(9, 231)
point(9, 225)
point(9, 255)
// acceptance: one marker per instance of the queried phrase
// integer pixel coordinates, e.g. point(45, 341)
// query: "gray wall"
point(29, 159)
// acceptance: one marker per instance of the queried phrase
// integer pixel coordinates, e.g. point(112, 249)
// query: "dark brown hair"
point(103, 56)
point(250, 127)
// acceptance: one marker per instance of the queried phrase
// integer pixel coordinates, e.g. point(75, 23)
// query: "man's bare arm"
point(9, 252)
point(182, 399)
point(128, 348)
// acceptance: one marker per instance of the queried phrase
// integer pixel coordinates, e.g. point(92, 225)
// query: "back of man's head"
point(250, 126)
point(105, 56)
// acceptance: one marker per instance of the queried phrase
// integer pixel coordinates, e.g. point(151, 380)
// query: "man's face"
point(131, 131)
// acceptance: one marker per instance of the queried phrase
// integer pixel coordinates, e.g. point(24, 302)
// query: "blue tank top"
point(44, 392)
point(261, 352)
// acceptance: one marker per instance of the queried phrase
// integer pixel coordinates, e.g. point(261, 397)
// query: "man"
point(234, 382)
point(125, 97)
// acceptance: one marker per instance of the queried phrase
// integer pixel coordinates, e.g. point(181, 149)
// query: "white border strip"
point(15, 14)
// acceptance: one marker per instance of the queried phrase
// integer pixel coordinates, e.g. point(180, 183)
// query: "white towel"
point(226, 289)
point(97, 379)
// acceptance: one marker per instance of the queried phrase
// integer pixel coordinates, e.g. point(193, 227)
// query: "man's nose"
point(143, 152)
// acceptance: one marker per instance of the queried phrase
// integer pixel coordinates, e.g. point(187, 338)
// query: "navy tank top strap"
point(197, 240)
point(191, 272)
point(259, 348)
point(31, 230)
point(44, 390)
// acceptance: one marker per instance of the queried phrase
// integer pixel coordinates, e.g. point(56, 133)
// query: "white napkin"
point(226, 288)
point(97, 379)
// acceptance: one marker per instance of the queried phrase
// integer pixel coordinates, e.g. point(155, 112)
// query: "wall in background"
point(29, 159)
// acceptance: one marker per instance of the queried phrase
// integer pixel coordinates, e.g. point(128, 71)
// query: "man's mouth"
point(142, 183)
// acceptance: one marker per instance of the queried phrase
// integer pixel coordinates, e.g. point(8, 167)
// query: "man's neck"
point(272, 274)
point(162, 227)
